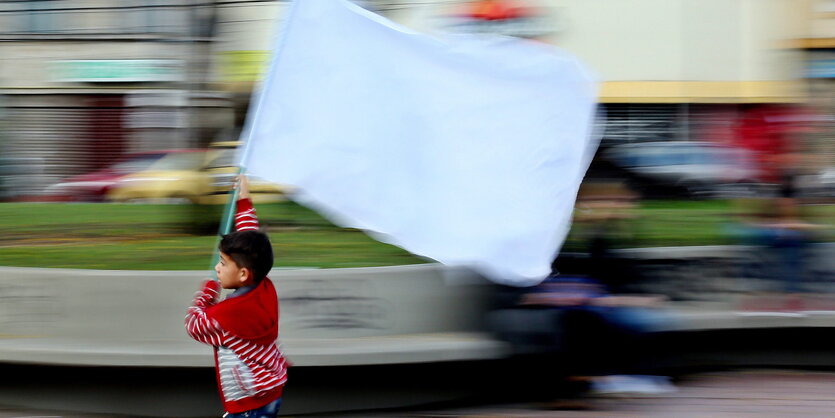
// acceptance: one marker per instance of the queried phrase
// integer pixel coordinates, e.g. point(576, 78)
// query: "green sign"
point(118, 71)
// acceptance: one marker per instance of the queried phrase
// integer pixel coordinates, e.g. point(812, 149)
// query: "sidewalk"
point(739, 394)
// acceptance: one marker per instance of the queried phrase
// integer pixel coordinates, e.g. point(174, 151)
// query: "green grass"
point(663, 223)
point(161, 237)
point(164, 237)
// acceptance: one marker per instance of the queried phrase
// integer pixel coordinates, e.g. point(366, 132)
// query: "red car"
point(93, 186)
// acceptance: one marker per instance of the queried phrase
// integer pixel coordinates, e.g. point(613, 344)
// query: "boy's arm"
point(198, 325)
point(245, 217)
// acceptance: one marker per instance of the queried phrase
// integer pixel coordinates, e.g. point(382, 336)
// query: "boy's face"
point(229, 274)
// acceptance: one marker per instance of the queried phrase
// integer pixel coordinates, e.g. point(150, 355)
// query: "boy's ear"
point(245, 275)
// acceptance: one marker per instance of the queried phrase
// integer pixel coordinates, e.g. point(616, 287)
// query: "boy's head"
point(245, 258)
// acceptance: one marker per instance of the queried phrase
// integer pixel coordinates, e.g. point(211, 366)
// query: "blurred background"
point(720, 104)
point(713, 189)
point(739, 84)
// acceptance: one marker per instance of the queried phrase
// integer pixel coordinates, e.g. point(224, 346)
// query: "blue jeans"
point(269, 410)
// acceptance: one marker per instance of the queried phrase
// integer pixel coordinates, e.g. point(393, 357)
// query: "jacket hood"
point(251, 316)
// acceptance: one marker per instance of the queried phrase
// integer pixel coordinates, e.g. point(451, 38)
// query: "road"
point(756, 393)
point(737, 394)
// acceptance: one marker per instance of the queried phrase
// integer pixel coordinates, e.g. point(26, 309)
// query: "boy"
point(243, 328)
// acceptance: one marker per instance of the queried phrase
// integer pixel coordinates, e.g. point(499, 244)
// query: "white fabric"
point(467, 150)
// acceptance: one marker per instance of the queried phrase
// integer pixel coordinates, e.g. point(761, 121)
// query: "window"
point(166, 16)
point(96, 16)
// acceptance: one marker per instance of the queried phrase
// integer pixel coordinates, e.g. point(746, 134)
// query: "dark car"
point(818, 184)
point(686, 168)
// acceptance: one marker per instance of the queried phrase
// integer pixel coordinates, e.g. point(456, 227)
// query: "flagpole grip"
point(225, 226)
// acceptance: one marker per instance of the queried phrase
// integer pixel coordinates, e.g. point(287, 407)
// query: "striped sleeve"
point(198, 325)
point(245, 217)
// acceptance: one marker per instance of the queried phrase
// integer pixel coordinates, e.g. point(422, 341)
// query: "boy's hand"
point(211, 286)
point(208, 295)
point(243, 187)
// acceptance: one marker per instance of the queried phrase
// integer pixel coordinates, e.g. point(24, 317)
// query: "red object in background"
point(767, 131)
point(496, 10)
point(106, 130)
point(92, 187)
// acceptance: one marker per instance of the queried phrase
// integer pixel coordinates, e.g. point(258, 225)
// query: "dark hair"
point(250, 249)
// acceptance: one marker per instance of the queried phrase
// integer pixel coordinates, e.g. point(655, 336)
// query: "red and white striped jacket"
point(251, 370)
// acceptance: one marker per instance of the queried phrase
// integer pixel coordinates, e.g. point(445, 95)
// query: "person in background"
point(608, 338)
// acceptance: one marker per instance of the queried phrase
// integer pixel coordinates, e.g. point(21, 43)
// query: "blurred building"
point(818, 42)
point(684, 69)
point(88, 79)
point(671, 69)
point(85, 81)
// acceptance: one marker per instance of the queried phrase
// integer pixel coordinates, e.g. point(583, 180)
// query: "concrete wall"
point(333, 317)
point(328, 317)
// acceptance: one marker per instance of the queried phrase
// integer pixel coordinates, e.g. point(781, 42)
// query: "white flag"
point(468, 150)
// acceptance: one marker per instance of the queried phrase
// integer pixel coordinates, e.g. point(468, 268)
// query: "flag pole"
point(225, 226)
point(246, 136)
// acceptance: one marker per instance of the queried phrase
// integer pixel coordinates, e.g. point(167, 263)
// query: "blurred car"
point(15, 175)
point(686, 168)
point(93, 186)
point(222, 170)
point(198, 176)
point(826, 180)
point(821, 183)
